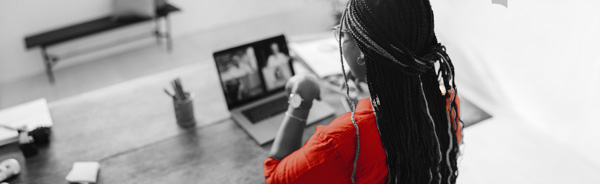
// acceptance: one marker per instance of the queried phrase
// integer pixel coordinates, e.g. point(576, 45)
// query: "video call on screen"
point(255, 70)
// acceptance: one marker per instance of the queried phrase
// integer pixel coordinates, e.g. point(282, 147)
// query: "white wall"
point(536, 59)
point(25, 17)
point(556, 71)
point(21, 18)
point(199, 15)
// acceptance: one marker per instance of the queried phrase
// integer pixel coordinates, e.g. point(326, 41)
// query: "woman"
point(277, 58)
point(408, 131)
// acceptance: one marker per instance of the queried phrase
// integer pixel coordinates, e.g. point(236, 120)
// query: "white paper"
point(322, 56)
point(84, 172)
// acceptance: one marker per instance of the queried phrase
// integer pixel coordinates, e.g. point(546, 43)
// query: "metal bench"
point(47, 39)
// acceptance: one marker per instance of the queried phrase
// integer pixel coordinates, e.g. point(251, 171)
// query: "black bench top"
point(87, 28)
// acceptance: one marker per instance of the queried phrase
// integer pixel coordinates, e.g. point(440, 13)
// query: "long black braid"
point(400, 49)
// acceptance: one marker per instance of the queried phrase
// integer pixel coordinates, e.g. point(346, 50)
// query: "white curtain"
point(538, 60)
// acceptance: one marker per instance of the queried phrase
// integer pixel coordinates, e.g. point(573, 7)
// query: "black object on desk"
point(46, 39)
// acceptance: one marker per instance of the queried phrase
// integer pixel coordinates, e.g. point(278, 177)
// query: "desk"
point(130, 129)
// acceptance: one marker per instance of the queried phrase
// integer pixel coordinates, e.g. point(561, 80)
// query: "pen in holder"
point(184, 110)
point(183, 104)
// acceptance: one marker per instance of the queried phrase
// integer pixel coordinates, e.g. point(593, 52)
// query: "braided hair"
point(401, 50)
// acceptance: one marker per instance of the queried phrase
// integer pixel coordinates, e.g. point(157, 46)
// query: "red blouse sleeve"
point(316, 162)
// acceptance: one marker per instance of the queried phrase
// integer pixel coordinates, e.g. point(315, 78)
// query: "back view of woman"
point(408, 131)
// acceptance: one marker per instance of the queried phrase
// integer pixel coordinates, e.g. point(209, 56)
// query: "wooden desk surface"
point(130, 129)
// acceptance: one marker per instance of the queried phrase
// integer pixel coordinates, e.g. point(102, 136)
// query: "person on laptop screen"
point(408, 131)
point(276, 70)
point(240, 76)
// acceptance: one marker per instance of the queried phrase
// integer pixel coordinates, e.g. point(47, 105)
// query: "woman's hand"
point(306, 85)
point(289, 136)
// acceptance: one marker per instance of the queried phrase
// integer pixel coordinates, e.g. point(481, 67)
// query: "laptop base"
point(265, 131)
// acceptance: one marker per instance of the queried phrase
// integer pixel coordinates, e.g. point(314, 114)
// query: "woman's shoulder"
point(338, 126)
point(343, 126)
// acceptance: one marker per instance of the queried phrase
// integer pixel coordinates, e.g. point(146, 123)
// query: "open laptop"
point(253, 78)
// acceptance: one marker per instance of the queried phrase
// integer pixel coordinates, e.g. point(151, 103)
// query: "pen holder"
point(184, 111)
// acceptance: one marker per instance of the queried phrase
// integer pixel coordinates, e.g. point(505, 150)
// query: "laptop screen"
point(251, 71)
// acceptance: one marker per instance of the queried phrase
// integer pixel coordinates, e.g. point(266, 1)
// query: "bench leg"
point(48, 63)
point(157, 32)
point(168, 34)
point(163, 35)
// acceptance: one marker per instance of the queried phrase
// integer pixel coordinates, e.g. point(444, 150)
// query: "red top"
point(328, 156)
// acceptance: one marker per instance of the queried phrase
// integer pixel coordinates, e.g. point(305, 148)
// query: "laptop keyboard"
point(266, 110)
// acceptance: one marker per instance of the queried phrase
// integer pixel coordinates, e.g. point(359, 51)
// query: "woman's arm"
point(289, 136)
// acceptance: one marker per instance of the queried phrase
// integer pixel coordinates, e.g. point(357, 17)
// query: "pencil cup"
point(184, 111)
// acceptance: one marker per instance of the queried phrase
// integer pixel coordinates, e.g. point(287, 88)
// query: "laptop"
point(253, 78)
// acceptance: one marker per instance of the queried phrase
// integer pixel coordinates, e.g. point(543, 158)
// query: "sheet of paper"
point(321, 55)
point(7, 136)
point(30, 115)
point(84, 172)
